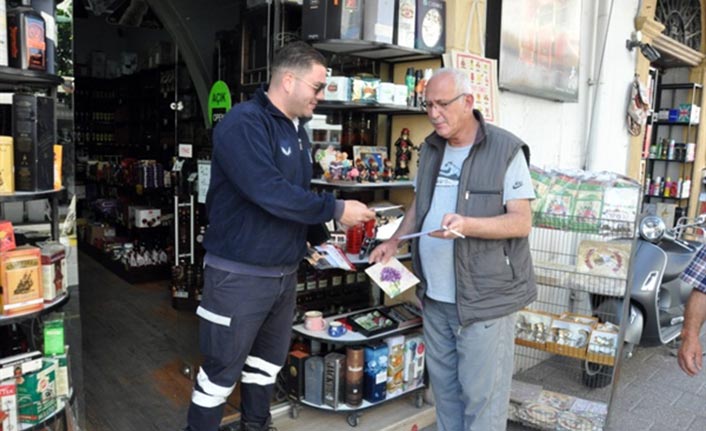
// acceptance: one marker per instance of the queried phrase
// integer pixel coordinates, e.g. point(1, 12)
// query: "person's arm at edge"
point(690, 354)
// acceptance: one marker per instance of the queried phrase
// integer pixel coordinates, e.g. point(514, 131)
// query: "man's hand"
point(452, 226)
point(355, 213)
point(690, 355)
point(384, 251)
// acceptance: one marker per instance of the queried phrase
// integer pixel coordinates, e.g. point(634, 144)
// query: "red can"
point(369, 228)
point(354, 239)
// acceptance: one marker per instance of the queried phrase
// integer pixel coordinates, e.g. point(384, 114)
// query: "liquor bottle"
point(667, 187)
point(354, 375)
point(26, 34)
point(409, 81)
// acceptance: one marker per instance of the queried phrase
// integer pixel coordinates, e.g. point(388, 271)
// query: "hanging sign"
point(218, 102)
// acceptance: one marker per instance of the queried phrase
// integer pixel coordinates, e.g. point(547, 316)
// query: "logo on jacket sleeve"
point(286, 151)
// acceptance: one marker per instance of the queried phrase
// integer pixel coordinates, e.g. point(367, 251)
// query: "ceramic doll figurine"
point(403, 156)
point(362, 171)
point(374, 170)
point(387, 171)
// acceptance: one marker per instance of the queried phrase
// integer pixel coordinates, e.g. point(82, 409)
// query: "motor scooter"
point(657, 295)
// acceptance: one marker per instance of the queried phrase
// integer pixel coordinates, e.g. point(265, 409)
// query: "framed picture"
point(539, 48)
point(369, 154)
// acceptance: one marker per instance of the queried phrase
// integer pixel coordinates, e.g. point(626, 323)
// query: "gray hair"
point(461, 78)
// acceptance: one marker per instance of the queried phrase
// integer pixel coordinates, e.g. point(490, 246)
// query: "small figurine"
point(362, 171)
point(374, 170)
point(387, 171)
point(403, 156)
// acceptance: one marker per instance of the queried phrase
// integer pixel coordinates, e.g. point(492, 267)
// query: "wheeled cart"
point(351, 338)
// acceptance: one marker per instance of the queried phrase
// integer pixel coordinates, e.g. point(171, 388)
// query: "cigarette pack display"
point(375, 373)
point(34, 136)
point(430, 34)
point(295, 373)
point(7, 165)
point(314, 380)
point(338, 88)
point(8, 405)
point(36, 394)
point(334, 379)
point(21, 280)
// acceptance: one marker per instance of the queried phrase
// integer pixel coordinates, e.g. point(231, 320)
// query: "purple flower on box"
point(392, 276)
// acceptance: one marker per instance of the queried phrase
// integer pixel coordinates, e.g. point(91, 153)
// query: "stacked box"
point(589, 205)
point(314, 380)
point(344, 19)
point(405, 23)
point(295, 373)
point(7, 165)
point(33, 131)
point(8, 405)
point(379, 20)
point(21, 280)
point(54, 271)
point(334, 379)
point(430, 25)
point(414, 349)
point(36, 394)
point(375, 373)
point(395, 365)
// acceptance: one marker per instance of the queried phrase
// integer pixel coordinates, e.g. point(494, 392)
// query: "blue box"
point(375, 373)
point(673, 115)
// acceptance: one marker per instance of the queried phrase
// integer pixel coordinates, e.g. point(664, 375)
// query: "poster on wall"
point(484, 86)
point(539, 48)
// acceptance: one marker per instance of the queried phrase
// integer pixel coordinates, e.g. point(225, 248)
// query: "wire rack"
point(566, 347)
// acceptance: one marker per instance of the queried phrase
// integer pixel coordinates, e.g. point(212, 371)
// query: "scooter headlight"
point(652, 228)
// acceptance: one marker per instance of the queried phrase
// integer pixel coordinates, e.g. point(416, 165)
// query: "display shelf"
point(375, 50)
point(11, 78)
point(141, 274)
point(30, 196)
point(681, 86)
point(669, 198)
point(48, 307)
point(674, 123)
point(363, 406)
point(350, 337)
point(351, 185)
point(669, 160)
point(368, 107)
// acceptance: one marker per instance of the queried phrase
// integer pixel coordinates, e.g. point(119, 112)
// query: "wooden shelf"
point(48, 307)
point(375, 50)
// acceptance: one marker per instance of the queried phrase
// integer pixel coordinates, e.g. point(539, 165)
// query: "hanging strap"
point(474, 14)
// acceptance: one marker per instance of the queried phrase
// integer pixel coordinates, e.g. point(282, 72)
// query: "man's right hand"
point(690, 355)
point(384, 251)
point(355, 213)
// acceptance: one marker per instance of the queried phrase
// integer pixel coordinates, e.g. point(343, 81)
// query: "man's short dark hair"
point(298, 56)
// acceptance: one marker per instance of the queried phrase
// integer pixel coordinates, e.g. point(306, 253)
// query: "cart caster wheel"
point(353, 420)
point(419, 400)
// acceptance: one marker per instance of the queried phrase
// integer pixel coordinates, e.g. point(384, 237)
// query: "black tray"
point(359, 322)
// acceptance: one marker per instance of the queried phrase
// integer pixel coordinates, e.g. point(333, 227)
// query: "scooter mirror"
point(701, 219)
point(652, 228)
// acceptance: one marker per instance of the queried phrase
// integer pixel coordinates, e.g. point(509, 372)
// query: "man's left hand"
point(452, 227)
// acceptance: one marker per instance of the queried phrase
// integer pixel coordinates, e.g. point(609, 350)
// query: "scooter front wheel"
point(596, 375)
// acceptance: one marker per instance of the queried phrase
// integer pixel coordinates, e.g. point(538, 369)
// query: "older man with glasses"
point(260, 208)
point(473, 186)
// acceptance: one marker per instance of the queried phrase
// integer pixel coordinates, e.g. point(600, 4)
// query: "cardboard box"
point(314, 20)
point(386, 93)
point(430, 25)
point(414, 354)
point(295, 373)
point(71, 244)
point(54, 269)
point(7, 164)
point(338, 88)
point(405, 23)
point(344, 19)
point(334, 379)
point(379, 20)
point(36, 394)
point(146, 217)
point(21, 280)
point(7, 236)
point(375, 373)
point(8, 405)
point(19, 365)
point(395, 365)
point(33, 131)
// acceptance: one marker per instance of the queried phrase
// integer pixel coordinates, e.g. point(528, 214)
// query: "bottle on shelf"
point(686, 188)
point(677, 189)
point(655, 186)
point(667, 188)
point(670, 150)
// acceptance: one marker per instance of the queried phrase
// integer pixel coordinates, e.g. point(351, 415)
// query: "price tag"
point(186, 151)
point(181, 294)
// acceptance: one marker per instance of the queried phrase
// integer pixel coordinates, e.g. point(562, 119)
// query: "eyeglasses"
point(440, 104)
point(318, 88)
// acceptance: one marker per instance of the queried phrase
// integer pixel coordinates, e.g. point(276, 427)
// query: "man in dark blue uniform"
point(260, 207)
